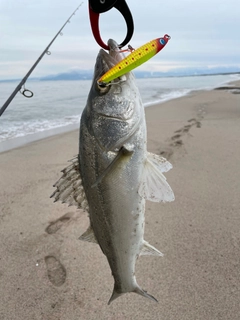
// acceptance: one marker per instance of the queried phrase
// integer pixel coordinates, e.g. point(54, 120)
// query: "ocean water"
point(57, 104)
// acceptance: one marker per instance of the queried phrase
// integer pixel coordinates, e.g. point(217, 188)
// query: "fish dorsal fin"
point(148, 250)
point(69, 187)
point(88, 236)
point(154, 186)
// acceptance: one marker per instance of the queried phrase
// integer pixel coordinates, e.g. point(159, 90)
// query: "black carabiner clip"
point(99, 6)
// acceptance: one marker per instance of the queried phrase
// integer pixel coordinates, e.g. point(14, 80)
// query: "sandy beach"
point(46, 273)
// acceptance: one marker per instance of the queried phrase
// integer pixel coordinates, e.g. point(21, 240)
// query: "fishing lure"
point(134, 60)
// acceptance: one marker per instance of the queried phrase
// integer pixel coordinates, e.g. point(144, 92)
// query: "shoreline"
point(19, 142)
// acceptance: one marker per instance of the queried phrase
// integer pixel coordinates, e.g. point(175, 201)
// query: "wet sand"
point(47, 273)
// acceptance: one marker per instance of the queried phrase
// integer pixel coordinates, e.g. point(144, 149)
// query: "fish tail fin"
point(144, 293)
point(137, 290)
point(114, 296)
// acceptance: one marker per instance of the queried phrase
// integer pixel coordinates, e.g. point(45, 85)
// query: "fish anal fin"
point(154, 186)
point(149, 250)
point(88, 236)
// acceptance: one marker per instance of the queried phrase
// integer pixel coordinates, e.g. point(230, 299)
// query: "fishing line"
point(21, 86)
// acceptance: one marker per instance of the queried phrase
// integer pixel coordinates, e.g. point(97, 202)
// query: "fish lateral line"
point(136, 58)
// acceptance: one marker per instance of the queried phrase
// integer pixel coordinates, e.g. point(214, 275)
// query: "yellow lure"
point(134, 59)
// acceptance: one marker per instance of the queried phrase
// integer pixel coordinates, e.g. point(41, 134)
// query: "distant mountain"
point(179, 72)
point(71, 75)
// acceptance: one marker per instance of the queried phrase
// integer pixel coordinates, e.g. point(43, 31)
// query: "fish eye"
point(162, 41)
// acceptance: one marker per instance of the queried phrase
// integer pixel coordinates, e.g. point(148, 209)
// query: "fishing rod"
point(25, 92)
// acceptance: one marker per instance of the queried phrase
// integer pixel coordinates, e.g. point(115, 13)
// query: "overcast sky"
point(204, 33)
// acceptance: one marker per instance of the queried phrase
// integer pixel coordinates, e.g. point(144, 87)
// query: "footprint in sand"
point(195, 122)
point(178, 134)
point(176, 140)
point(176, 137)
point(192, 120)
point(57, 224)
point(187, 128)
point(178, 131)
point(166, 153)
point(178, 143)
point(55, 270)
point(198, 124)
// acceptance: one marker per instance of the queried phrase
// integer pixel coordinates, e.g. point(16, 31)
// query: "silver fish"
point(114, 174)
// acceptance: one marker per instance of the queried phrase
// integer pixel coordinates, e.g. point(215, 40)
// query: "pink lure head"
point(161, 42)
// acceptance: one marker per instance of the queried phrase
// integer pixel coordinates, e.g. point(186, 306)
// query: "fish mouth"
point(107, 60)
point(114, 51)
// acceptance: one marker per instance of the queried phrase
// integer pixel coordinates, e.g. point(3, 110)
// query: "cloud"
point(202, 34)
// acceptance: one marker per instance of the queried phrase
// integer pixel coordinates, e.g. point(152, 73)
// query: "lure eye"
point(162, 41)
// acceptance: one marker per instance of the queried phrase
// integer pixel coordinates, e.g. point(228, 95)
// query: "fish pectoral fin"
point(161, 162)
point(154, 186)
point(149, 250)
point(69, 187)
point(88, 236)
point(122, 152)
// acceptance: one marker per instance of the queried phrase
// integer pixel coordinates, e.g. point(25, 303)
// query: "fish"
point(113, 174)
